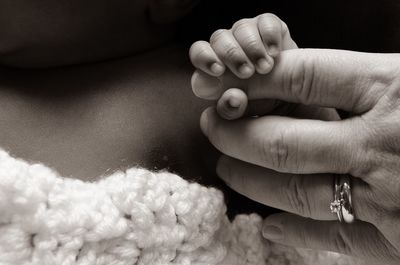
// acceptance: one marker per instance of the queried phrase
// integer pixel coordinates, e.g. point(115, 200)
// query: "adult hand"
point(290, 163)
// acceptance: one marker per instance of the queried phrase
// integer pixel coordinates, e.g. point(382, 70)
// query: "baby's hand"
point(249, 47)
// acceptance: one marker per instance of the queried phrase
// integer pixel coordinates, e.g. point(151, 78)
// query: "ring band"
point(347, 206)
point(342, 204)
point(336, 205)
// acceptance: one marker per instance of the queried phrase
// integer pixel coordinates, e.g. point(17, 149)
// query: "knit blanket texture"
point(137, 217)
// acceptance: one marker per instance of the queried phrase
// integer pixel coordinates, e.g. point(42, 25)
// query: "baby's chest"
point(95, 134)
point(88, 137)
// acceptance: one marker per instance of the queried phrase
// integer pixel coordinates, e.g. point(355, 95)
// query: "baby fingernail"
point(272, 232)
point(205, 86)
point(245, 70)
point(217, 68)
point(263, 65)
point(273, 50)
point(234, 102)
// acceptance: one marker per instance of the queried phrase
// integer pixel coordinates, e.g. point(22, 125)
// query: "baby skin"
point(226, 63)
point(231, 67)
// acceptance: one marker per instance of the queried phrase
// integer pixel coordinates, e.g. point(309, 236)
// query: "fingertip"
point(217, 69)
point(265, 65)
point(232, 104)
point(273, 50)
point(227, 112)
point(272, 228)
point(204, 123)
point(245, 70)
point(272, 232)
point(204, 58)
point(231, 54)
point(205, 86)
point(193, 48)
point(205, 119)
point(270, 29)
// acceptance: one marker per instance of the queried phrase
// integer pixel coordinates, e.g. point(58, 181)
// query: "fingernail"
point(245, 70)
point(217, 68)
point(230, 109)
point(273, 50)
point(204, 122)
point(264, 65)
point(234, 102)
point(272, 232)
point(205, 86)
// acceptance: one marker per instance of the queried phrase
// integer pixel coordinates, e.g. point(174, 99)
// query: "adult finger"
point(209, 87)
point(262, 107)
point(347, 80)
point(328, 78)
point(289, 145)
point(307, 195)
point(360, 239)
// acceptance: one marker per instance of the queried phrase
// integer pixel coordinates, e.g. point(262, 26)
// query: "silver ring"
point(336, 205)
point(347, 206)
point(342, 204)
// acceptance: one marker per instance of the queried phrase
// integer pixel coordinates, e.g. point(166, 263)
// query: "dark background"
point(371, 26)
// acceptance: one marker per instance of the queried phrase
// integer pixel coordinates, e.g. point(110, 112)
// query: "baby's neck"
point(86, 121)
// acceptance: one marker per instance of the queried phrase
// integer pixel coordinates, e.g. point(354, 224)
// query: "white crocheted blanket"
point(133, 217)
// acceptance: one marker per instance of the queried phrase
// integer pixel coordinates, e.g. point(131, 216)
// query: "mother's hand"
point(290, 163)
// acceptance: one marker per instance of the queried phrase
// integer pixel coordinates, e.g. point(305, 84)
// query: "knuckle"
point(252, 45)
point(297, 196)
point(375, 146)
point(366, 157)
point(217, 35)
point(231, 53)
point(275, 151)
point(301, 81)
